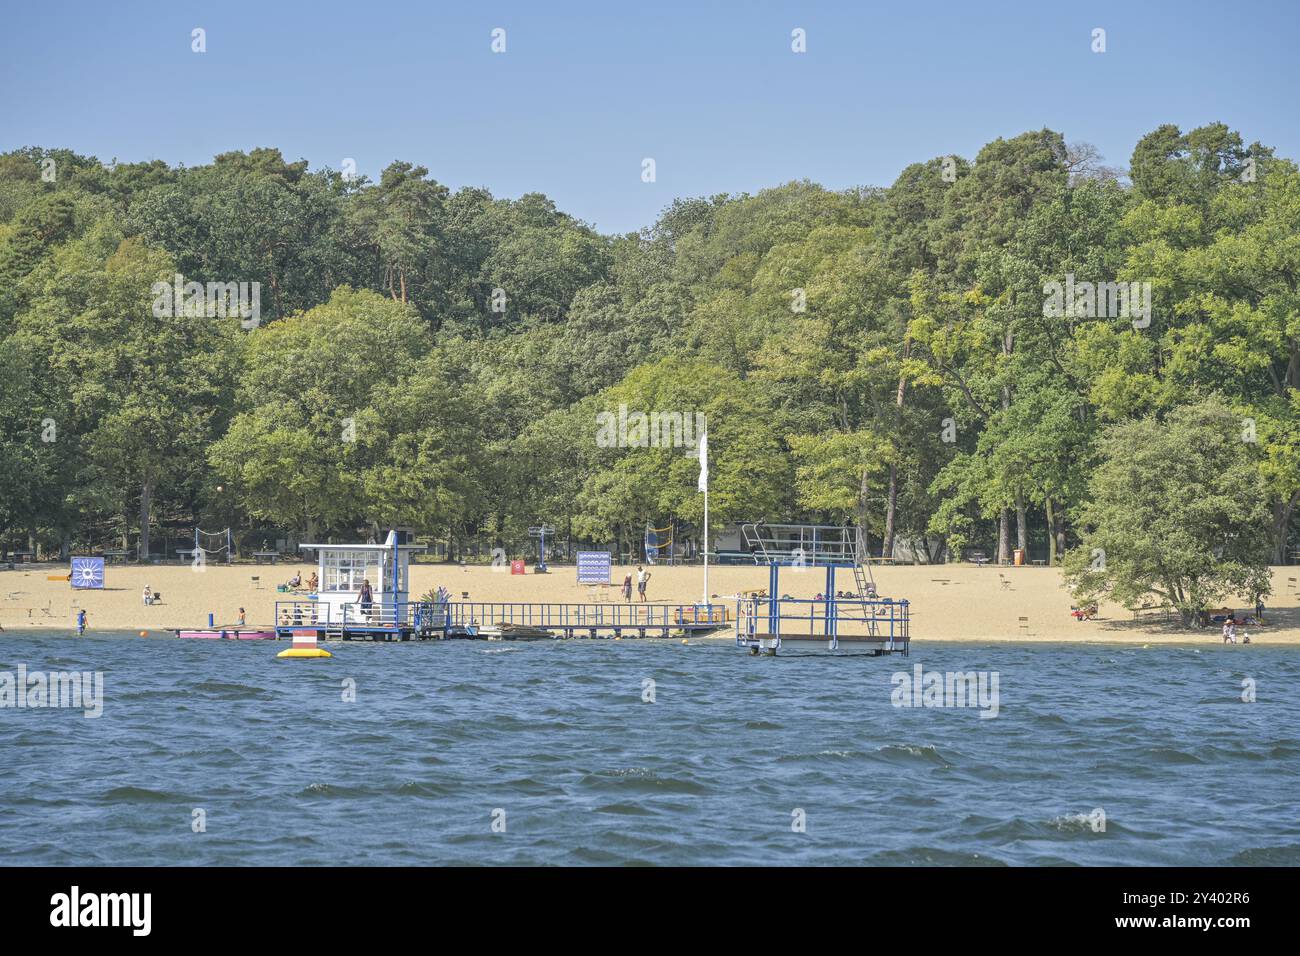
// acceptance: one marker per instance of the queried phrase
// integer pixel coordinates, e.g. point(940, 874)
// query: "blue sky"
point(585, 91)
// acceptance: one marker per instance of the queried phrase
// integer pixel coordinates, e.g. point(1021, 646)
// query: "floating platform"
point(515, 632)
point(308, 653)
point(229, 634)
point(846, 644)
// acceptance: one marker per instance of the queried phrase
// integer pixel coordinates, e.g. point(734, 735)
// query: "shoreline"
point(948, 603)
point(1143, 641)
point(167, 633)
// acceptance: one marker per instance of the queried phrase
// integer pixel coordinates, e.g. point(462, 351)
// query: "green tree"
point(1177, 513)
point(295, 453)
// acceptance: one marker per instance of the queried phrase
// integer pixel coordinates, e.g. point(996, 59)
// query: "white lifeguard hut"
point(342, 568)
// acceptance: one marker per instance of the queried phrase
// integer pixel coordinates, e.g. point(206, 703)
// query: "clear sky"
point(586, 90)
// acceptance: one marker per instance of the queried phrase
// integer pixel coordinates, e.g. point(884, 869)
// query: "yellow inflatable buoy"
point(684, 641)
point(304, 652)
point(144, 633)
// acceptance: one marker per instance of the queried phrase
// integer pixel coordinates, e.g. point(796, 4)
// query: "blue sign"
point(87, 572)
point(594, 567)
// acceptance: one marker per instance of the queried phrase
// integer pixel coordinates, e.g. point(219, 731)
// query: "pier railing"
point(426, 616)
point(578, 616)
point(379, 614)
point(812, 618)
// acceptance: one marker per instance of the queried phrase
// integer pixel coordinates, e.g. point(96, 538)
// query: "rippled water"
point(556, 735)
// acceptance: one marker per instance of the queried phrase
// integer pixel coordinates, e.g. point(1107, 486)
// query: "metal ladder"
point(866, 589)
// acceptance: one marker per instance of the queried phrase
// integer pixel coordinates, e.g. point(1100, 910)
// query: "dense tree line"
point(439, 359)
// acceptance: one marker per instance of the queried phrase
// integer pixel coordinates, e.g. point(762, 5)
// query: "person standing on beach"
point(81, 622)
point(241, 617)
point(627, 587)
point(642, 579)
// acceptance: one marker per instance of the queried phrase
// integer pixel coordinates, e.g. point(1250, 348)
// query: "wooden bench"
point(1152, 610)
point(272, 556)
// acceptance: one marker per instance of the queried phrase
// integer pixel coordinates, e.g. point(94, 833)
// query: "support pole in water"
point(773, 600)
point(828, 624)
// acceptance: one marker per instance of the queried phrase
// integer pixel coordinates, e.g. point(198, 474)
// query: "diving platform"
point(860, 621)
point(852, 625)
point(803, 545)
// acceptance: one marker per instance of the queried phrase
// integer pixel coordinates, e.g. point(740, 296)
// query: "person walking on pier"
point(627, 588)
point(366, 599)
point(642, 579)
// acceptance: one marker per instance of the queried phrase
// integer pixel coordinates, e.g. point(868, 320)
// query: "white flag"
point(704, 461)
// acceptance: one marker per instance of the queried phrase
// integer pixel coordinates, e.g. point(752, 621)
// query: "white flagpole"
point(704, 485)
point(706, 546)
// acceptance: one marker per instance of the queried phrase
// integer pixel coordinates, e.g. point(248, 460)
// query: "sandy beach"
point(956, 602)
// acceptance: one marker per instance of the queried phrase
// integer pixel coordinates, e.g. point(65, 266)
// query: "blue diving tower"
point(861, 621)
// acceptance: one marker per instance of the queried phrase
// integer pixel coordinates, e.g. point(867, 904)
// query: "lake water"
point(555, 742)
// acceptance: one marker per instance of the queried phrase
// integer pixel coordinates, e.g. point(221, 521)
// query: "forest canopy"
point(418, 356)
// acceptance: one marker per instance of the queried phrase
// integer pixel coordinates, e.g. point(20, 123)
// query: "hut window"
point(345, 570)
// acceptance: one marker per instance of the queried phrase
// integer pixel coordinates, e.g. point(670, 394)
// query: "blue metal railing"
point(423, 615)
point(885, 619)
point(580, 616)
point(379, 615)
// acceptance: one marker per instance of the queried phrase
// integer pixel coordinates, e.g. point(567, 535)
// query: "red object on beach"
point(518, 567)
point(229, 634)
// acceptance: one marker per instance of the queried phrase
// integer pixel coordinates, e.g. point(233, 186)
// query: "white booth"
point(342, 568)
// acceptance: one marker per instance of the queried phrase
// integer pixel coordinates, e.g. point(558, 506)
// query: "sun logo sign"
point(87, 572)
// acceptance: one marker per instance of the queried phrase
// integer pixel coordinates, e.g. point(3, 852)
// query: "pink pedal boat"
point(230, 634)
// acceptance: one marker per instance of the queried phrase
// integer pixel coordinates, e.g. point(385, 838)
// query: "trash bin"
point(1018, 554)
